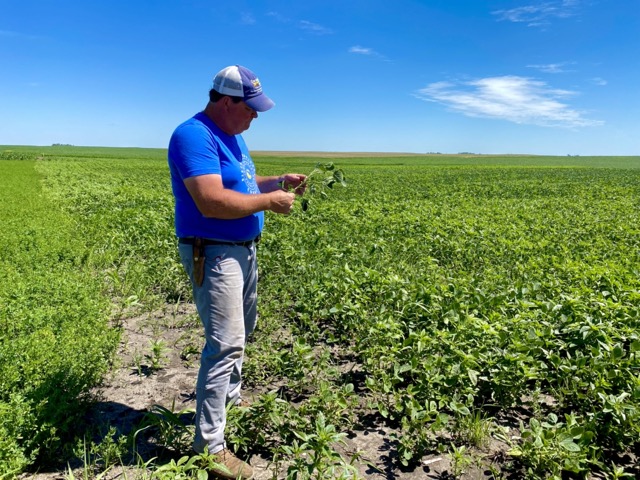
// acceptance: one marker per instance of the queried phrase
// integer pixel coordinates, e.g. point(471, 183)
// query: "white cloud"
point(539, 14)
point(247, 18)
point(552, 67)
point(512, 98)
point(278, 17)
point(599, 81)
point(314, 28)
point(358, 50)
point(305, 25)
point(361, 50)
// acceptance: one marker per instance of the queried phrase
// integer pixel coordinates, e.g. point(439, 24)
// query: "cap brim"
point(261, 103)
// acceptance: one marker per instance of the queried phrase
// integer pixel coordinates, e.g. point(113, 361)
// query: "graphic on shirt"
point(248, 170)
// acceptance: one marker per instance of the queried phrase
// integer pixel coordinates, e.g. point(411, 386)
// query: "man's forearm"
point(229, 204)
point(215, 201)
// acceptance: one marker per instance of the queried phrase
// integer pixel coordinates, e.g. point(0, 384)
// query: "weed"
point(474, 429)
point(618, 473)
point(171, 429)
point(157, 357)
point(136, 362)
point(460, 460)
point(101, 456)
point(186, 467)
point(312, 455)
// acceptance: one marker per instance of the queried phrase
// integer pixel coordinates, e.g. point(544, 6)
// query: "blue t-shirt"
point(199, 147)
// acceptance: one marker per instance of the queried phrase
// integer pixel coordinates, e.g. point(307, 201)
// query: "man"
point(219, 215)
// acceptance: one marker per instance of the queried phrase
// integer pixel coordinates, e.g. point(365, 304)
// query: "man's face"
point(239, 117)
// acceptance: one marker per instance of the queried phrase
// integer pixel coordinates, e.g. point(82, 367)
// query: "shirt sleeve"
point(194, 152)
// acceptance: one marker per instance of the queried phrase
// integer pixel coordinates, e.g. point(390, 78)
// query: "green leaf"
point(569, 445)
point(473, 376)
point(617, 352)
point(459, 408)
point(576, 432)
point(515, 452)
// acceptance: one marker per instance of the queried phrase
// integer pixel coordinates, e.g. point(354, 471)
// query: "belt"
point(209, 241)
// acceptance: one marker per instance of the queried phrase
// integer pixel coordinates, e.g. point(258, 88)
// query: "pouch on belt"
point(198, 261)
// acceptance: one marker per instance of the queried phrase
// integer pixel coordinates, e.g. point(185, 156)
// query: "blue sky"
point(552, 77)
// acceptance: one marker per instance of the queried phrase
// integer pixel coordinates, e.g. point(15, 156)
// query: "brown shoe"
point(240, 402)
point(231, 467)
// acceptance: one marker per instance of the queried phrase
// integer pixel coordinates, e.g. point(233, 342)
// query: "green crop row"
point(55, 342)
point(479, 290)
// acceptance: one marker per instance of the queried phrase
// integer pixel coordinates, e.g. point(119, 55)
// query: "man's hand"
point(281, 201)
point(293, 182)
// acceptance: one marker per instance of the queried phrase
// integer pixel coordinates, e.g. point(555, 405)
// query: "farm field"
point(483, 312)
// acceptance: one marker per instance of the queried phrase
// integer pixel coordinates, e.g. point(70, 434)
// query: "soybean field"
point(484, 310)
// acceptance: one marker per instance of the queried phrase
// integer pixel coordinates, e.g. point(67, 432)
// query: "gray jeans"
point(227, 306)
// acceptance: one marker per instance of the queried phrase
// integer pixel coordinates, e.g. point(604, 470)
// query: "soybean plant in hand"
point(321, 178)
